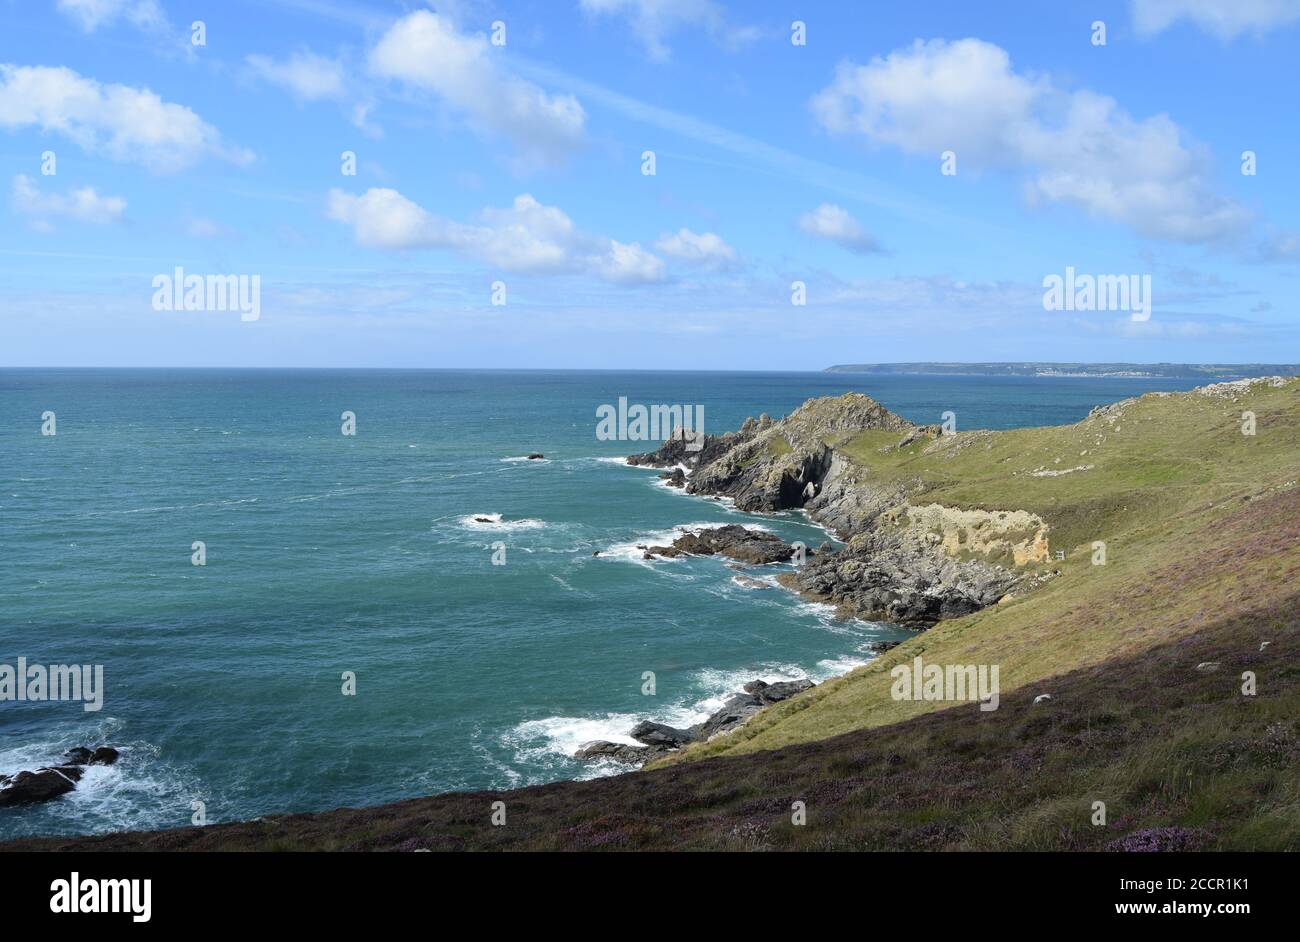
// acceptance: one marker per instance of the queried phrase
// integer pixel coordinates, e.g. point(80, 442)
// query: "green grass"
point(778, 446)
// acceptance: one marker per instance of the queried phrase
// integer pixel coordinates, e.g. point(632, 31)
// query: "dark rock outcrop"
point(27, 788)
point(882, 575)
point(657, 734)
point(674, 478)
point(732, 540)
point(46, 784)
point(536, 456)
point(775, 693)
point(679, 451)
point(619, 752)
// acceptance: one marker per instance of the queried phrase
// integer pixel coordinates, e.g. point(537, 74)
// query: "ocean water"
point(327, 553)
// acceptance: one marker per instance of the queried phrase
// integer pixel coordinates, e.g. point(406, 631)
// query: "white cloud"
point(83, 205)
point(425, 50)
point(704, 250)
point(201, 227)
point(92, 14)
point(1076, 147)
point(307, 76)
point(527, 237)
point(832, 222)
point(654, 20)
point(127, 124)
point(1226, 19)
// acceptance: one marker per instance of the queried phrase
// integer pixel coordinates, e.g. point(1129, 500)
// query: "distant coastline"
point(1208, 371)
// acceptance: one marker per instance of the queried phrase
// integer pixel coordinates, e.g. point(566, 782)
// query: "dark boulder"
point(674, 478)
point(784, 690)
point(657, 734)
point(536, 456)
point(756, 547)
point(619, 752)
point(27, 788)
point(104, 755)
point(738, 708)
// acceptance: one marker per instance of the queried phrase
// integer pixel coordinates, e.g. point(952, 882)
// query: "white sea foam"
point(138, 791)
point(498, 523)
point(551, 741)
point(524, 459)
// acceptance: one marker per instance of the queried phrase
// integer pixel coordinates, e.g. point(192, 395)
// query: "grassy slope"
point(1203, 534)
point(1165, 474)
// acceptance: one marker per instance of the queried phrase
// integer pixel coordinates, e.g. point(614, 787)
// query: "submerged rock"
point(536, 456)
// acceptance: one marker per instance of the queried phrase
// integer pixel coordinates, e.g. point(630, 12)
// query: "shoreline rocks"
point(659, 739)
point(49, 782)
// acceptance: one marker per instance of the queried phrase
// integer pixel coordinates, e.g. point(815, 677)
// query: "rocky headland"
point(910, 564)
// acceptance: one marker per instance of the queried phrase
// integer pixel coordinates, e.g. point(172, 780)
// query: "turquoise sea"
point(328, 553)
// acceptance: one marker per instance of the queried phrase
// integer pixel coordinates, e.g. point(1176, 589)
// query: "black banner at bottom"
point(215, 891)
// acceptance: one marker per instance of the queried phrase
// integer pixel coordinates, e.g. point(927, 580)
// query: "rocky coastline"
point(905, 564)
point(909, 564)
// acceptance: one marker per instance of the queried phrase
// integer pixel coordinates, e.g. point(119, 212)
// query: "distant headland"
point(1207, 371)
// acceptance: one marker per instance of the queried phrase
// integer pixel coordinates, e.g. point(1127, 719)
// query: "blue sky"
point(522, 163)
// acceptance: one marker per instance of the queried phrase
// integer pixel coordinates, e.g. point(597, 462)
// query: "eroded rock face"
point(1015, 536)
point(886, 575)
